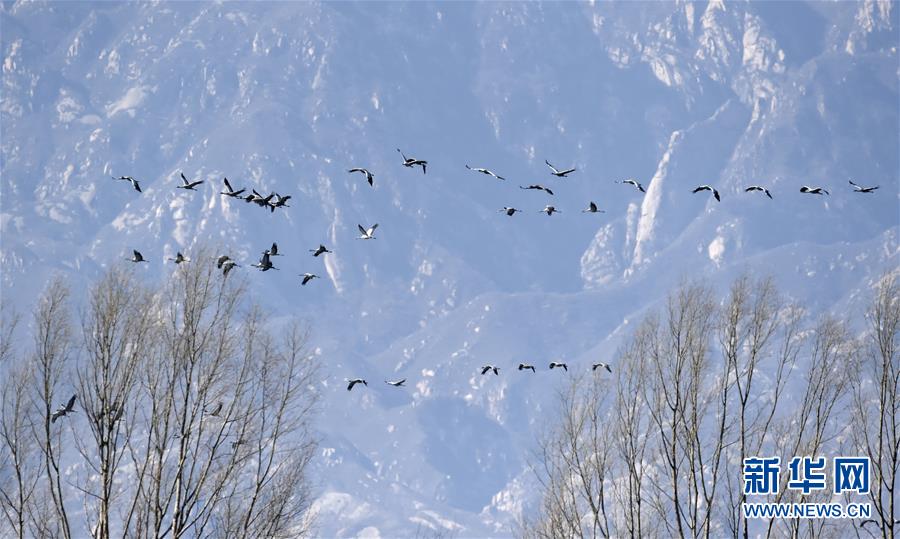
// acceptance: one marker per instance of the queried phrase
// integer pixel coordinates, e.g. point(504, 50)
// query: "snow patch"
point(131, 100)
point(716, 250)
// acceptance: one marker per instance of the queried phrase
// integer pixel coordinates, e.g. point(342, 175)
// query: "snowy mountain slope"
point(287, 97)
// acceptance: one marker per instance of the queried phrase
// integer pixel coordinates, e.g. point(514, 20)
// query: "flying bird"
point(215, 411)
point(861, 189)
point(554, 364)
point(485, 171)
point(367, 234)
point(592, 208)
point(550, 210)
point(134, 183)
point(410, 162)
point(814, 190)
point(634, 183)
point(599, 365)
point(230, 192)
point(179, 258)
point(307, 277)
point(356, 381)
point(321, 249)
point(707, 188)
point(369, 176)
point(273, 251)
point(227, 265)
point(486, 368)
point(137, 256)
point(185, 184)
point(63, 409)
point(758, 188)
point(221, 260)
point(508, 211)
point(525, 366)
point(396, 383)
point(538, 187)
point(559, 173)
point(264, 263)
point(280, 202)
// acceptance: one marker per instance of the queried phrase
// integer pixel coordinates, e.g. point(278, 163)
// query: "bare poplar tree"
point(193, 418)
point(118, 334)
point(757, 332)
point(19, 458)
point(575, 458)
point(48, 366)
point(876, 405)
point(687, 401)
point(818, 417)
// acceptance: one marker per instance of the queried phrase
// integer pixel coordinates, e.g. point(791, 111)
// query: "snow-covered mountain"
point(288, 96)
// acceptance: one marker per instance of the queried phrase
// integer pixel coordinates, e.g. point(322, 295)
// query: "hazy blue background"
point(287, 96)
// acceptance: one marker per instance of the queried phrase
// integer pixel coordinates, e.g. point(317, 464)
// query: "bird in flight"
point(356, 381)
point(814, 190)
point(508, 211)
point(185, 184)
point(592, 208)
point(369, 176)
point(601, 365)
point(134, 183)
point(307, 277)
point(410, 162)
point(550, 210)
point(264, 263)
point(272, 251)
point(63, 409)
point(227, 265)
point(321, 249)
point(485, 171)
point(635, 183)
point(538, 187)
point(559, 173)
point(367, 234)
point(707, 188)
point(554, 364)
point(230, 192)
point(137, 256)
point(396, 383)
point(861, 189)
point(215, 411)
point(179, 258)
point(758, 188)
point(525, 366)
point(486, 368)
point(280, 202)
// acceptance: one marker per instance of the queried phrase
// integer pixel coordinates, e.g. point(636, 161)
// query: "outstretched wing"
point(361, 230)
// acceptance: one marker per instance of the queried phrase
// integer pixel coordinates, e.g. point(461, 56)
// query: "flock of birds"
point(275, 200)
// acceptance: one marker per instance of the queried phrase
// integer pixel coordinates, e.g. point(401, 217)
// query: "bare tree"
point(192, 419)
point(19, 458)
point(876, 404)
point(816, 421)
point(699, 388)
point(757, 332)
point(48, 366)
point(575, 458)
point(687, 403)
point(118, 334)
point(632, 432)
